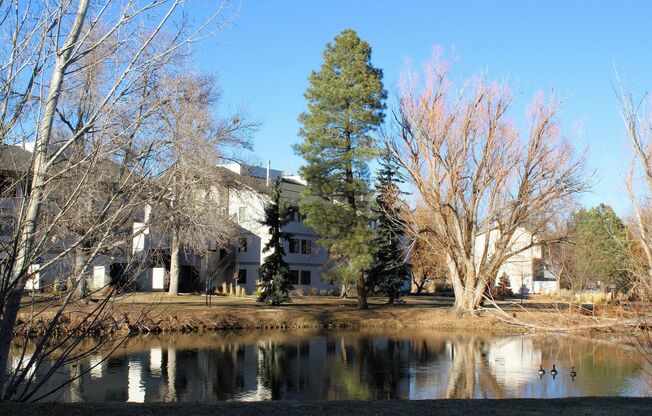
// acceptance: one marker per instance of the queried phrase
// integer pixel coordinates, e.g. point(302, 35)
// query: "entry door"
point(158, 278)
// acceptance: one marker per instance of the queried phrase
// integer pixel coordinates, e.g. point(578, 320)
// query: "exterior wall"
point(520, 267)
point(544, 287)
point(252, 205)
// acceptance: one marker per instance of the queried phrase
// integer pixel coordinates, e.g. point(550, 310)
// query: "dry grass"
point(188, 313)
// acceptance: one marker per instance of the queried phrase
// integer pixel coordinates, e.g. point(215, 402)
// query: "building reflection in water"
point(135, 385)
point(353, 365)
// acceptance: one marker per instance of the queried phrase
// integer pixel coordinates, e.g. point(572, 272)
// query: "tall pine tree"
point(274, 273)
point(390, 270)
point(345, 108)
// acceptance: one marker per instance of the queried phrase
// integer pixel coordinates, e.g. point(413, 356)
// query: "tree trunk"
point(419, 285)
point(468, 298)
point(362, 292)
point(344, 291)
point(174, 262)
point(81, 272)
point(36, 196)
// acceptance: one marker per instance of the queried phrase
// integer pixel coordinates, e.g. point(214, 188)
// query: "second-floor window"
point(295, 215)
point(294, 245)
point(243, 246)
point(8, 188)
point(306, 247)
point(6, 226)
point(242, 214)
point(302, 246)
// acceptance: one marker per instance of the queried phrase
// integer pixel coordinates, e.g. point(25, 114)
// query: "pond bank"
point(156, 313)
point(594, 406)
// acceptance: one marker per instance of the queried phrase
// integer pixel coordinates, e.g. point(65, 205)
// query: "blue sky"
point(572, 47)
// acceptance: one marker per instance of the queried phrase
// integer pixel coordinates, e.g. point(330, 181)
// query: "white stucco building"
point(302, 253)
point(239, 263)
point(526, 269)
point(143, 263)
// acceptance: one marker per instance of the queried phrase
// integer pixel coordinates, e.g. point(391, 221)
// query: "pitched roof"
point(14, 159)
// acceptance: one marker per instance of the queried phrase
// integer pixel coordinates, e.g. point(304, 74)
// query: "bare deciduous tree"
point(427, 263)
point(479, 176)
point(638, 122)
point(76, 79)
point(194, 210)
point(639, 185)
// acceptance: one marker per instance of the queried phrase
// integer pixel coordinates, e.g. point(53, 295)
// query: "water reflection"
point(353, 365)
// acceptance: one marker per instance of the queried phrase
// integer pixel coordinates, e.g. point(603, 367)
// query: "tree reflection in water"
point(353, 365)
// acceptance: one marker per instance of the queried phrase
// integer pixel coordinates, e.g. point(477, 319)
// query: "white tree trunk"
point(35, 196)
point(174, 262)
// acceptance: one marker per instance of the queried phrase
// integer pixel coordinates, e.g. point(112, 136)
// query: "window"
point(294, 245)
point(306, 247)
point(6, 226)
point(8, 187)
point(294, 215)
point(294, 277)
point(305, 277)
point(300, 246)
point(242, 276)
point(243, 246)
point(242, 214)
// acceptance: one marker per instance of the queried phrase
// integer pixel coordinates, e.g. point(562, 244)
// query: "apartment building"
point(527, 270)
point(144, 261)
point(302, 253)
point(239, 263)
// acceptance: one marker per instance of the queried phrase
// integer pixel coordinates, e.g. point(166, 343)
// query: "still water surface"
point(337, 365)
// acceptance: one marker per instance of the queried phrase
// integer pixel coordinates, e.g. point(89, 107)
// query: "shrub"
point(297, 292)
point(503, 290)
point(442, 289)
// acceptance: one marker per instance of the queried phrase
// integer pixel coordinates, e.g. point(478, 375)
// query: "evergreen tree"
point(274, 273)
point(390, 270)
point(599, 249)
point(345, 107)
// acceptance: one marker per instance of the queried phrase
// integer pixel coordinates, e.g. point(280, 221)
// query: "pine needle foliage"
point(390, 269)
point(345, 109)
point(274, 273)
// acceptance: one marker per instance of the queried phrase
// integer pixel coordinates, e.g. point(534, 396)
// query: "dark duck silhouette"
point(573, 373)
point(541, 371)
point(553, 372)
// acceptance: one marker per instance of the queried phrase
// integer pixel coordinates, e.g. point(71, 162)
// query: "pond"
point(359, 365)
